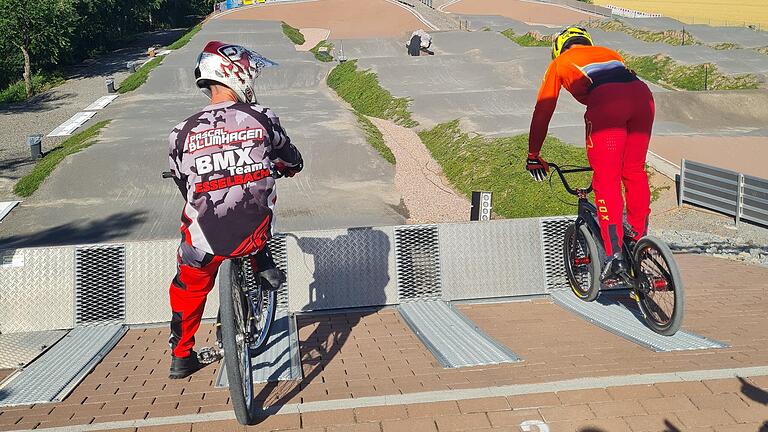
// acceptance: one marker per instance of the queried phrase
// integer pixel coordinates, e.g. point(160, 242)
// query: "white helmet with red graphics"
point(230, 65)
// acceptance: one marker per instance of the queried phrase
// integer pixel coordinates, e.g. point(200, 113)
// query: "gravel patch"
point(427, 194)
point(312, 37)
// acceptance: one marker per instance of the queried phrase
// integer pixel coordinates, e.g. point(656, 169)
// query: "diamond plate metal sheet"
point(56, 373)
point(41, 286)
point(453, 339)
point(150, 267)
point(417, 260)
point(491, 259)
point(280, 361)
point(18, 349)
point(341, 268)
point(99, 284)
point(552, 236)
point(608, 313)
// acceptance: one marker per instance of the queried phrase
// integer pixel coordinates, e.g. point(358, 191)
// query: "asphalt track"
point(113, 191)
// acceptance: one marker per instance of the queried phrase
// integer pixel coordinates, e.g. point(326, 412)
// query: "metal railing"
point(735, 194)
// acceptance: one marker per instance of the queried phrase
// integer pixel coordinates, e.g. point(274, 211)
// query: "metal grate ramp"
point(18, 349)
point(280, 361)
point(453, 339)
point(609, 314)
point(51, 377)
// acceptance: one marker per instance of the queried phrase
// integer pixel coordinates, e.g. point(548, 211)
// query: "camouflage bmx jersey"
point(221, 159)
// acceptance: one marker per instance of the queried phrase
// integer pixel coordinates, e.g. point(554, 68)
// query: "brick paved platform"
point(367, 354)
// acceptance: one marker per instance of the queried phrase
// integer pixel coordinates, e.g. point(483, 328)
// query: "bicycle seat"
point(274, 278)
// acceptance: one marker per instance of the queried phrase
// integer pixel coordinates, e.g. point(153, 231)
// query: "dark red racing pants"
point(195, 277)
point(619, 121)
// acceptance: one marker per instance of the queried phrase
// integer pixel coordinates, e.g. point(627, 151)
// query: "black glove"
point(537, 167)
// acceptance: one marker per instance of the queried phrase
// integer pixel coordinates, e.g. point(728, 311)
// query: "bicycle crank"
point(210, 355)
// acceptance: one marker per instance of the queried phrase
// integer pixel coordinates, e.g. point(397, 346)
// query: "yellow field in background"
point(713, 12)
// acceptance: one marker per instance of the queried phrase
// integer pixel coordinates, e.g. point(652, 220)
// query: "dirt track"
point(533, 13)
point(743, 154)
point(347, 19)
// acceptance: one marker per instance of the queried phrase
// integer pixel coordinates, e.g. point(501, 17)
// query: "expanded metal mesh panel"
point(280, 255)
point(552, 236)
point(341, 268)
point(99, 284)
point(417, 260)
point(36, 289)
point(149, 266)
point(18, 349)
point(608, 313)
point(491, 259)
point(55, 374)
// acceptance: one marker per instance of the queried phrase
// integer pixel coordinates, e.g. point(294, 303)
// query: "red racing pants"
point(619, 122)
point(195, 277)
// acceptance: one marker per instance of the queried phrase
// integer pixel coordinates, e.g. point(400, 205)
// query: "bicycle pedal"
point(633, 295)
point(210, 355)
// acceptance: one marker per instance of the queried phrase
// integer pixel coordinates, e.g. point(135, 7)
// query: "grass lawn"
point(323, 55)
point(664, 71)
point(475, 163)
point(136, 79)
point(526, 40)
point(362, 90)
point(186, 37)
point(293, 34)
point(41, 82)
point(28, 184)
point(374, 137)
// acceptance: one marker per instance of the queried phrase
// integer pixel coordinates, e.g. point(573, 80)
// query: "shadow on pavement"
point(753, 392)
point(364, 255)
point(90, 231)
point(47, 101)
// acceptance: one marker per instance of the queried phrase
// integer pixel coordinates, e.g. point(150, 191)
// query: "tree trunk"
point(27, 72)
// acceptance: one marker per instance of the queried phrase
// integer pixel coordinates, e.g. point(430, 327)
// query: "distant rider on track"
point(619, 120)
point(221, 159)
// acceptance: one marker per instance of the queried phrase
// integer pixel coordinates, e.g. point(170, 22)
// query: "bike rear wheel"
point(235, 309)
point(582, 263)
point(659, 286)
point(264, 306)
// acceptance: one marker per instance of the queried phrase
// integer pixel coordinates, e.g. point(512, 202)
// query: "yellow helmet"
point(569, 34)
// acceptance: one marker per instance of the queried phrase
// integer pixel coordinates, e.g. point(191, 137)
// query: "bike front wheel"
point(582, 262)
point(659, 286)
point(236, 320)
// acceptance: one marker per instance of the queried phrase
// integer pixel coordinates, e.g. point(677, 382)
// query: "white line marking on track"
point(433, 396)
point(101, 103)
point(73, 123)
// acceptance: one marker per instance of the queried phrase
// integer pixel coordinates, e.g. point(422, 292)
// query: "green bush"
point(293, 34)
point(136, 79)
point(362, 90)
point(323, 56)
point(374, 137)
point(28, 184)
point(41, 82)
point(664, 71)
point(186, 37)
point(498, 165)
point(526, 40)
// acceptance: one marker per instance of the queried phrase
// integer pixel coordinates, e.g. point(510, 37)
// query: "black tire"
point(584, 275)
point(660, 289)
point(237, 352)
point(264, 308)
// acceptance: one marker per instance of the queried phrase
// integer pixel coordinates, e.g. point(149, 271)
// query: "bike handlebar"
point(561, 171)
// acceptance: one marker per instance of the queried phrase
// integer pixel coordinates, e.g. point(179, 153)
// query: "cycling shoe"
point(613, 267)
point(184, 367)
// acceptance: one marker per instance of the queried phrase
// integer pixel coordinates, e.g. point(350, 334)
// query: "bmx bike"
point(246, 313)
point(652, 277)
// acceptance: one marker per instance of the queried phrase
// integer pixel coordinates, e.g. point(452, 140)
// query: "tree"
point(41, 29)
